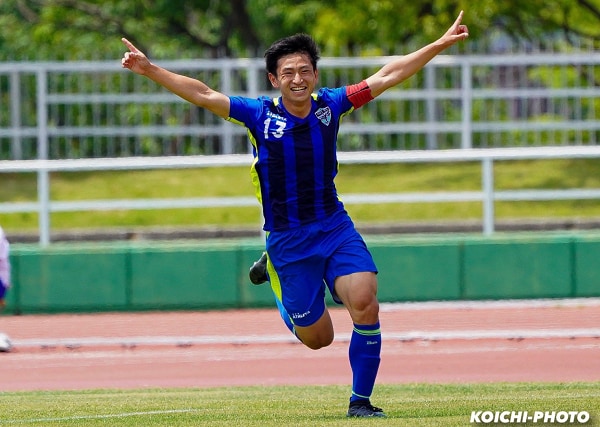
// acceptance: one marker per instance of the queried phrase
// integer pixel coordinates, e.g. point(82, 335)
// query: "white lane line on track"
point(194, 356)
point(487, 304)
point(101, 417)
point(183, 341)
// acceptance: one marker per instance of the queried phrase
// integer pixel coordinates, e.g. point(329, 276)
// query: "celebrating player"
point(311, 242)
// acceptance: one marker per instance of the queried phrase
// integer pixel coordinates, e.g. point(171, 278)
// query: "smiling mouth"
point(298, 89)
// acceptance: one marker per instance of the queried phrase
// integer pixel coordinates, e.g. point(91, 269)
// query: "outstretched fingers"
point(134, 59)
point(458, 29)
point(130, 45)
point(458, 19)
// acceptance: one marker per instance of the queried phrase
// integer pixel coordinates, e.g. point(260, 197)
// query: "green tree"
point(386, 24)
point(86, 29)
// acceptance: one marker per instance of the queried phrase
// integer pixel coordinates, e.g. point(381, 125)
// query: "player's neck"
point(300, 110)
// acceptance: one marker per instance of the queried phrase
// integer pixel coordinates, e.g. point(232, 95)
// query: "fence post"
point(430, 109)
point(226, 87)
point(42, 147)
point(487, 183)
point(15, 118)
point(467, 96)
point(253, 77)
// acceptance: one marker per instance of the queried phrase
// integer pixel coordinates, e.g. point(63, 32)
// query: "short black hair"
point(298, 43)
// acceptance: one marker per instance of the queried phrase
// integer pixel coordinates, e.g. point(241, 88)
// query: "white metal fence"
point(485, 108)
point(56, 110)
point(44, 206)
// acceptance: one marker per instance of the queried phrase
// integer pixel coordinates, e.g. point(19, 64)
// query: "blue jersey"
point(295, 159)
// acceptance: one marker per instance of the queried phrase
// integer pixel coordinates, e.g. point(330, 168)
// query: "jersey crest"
point(324, 114)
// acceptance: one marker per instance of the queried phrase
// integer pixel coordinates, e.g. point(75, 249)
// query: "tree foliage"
point(91, 29)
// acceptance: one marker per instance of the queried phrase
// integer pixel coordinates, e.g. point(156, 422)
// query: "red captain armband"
point(359, 94)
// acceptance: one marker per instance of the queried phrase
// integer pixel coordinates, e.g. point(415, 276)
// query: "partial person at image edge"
point(5, 344)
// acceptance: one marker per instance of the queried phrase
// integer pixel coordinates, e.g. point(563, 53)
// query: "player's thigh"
point(296, 272)
point(358, 293)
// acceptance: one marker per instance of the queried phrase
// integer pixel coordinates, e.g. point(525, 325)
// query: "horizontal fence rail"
point(44, 206)
point(53, 110)
point(93, 115)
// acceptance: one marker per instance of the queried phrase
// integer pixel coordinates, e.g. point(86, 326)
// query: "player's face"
point(296, 78)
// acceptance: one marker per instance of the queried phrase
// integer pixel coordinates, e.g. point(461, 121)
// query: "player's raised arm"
point(191, 90)
point(403, 67)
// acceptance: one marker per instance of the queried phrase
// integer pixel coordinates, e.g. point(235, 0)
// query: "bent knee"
point(365, 311)
point(318, 335)
point(315, 343)
point(365, 302)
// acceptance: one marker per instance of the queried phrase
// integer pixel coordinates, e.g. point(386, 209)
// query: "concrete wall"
point(211, 275)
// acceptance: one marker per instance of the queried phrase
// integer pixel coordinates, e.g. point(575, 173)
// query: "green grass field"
point(406, 405)
point(387, 178)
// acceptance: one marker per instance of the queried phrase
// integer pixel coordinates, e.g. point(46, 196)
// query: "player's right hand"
point(135, 59)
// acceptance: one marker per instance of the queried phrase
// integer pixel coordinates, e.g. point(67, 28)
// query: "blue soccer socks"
point(365, 354)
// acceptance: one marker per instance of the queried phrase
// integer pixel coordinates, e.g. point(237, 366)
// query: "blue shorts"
point(304, 260)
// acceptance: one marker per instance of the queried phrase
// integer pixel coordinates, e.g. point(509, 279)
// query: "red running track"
point(542, 341)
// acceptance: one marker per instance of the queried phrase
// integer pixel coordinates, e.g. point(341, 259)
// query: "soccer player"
point(4, 267)
point(311, 242)
point(5, 344)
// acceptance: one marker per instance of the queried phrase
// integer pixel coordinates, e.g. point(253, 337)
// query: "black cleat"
point(258, 271)
point(363, 409)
